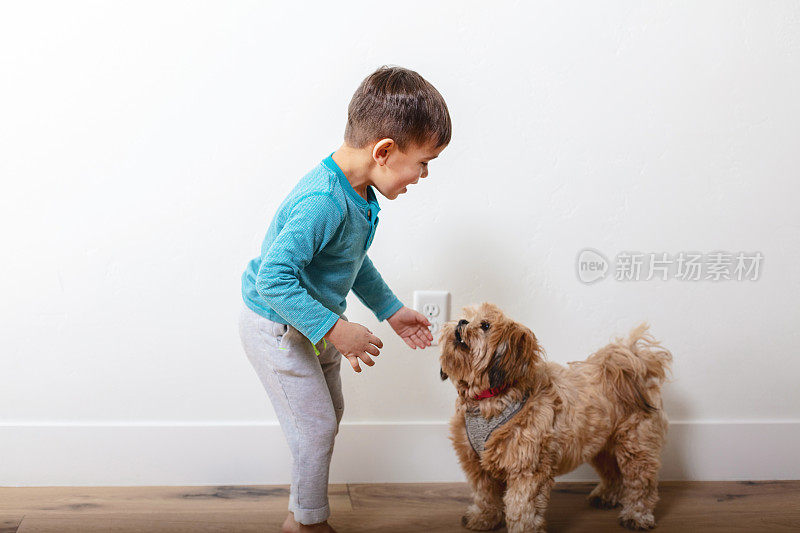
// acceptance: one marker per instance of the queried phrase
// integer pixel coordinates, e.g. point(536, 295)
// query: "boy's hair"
point(398, 103)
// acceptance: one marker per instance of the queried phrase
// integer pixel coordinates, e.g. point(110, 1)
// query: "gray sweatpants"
point(306, 393)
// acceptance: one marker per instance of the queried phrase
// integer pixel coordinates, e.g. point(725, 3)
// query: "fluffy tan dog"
point(520, 420)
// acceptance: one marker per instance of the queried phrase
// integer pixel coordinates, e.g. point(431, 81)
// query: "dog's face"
point(485, 349)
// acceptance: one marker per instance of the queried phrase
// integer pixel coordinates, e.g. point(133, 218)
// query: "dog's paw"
point(602, 503)
point(481, 519)
point(637, 521)
point(603, 497)
point(525, 527)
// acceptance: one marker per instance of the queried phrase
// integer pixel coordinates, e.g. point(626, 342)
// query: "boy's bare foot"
point(322, 527)
point(290, 525)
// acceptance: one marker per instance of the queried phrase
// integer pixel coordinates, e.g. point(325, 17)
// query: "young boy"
point(292, 323)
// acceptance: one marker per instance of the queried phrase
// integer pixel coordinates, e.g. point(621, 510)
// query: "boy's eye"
point(425, 164)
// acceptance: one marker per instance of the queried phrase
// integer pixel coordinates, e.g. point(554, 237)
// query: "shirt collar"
point(349, 190)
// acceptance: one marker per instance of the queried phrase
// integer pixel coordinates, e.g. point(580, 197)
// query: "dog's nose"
point(461, 323)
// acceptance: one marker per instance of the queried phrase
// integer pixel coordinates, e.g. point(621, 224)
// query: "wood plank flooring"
point(768, 506)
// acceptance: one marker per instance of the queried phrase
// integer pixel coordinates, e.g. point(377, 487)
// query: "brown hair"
point(398, 103)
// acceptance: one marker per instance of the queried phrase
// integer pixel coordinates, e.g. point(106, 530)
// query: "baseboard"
point(256, 453)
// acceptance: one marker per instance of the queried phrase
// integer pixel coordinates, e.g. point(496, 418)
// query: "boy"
point(292, 323)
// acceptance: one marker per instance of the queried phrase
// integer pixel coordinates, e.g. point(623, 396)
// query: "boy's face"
point(398, 170)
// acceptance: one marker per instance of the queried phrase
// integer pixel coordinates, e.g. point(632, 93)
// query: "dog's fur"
point(605, 410)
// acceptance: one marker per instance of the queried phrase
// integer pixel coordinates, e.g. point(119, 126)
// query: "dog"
point(521, 420)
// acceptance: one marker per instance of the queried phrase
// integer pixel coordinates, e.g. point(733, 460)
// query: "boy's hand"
point(412, 327)
point(354, 341)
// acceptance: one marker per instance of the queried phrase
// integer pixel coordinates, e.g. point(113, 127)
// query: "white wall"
point(145, 146)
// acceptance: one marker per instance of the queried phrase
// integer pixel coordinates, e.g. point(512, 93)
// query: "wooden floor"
point(770, 506)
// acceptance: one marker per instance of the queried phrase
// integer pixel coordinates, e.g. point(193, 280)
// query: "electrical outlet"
point(435, 305)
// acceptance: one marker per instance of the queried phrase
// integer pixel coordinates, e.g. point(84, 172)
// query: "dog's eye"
point(484, 325)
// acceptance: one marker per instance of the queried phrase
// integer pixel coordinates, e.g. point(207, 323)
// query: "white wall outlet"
point(435, 305)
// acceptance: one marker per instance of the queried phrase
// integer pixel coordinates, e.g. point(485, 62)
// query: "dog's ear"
point(442, 374)
point(497, 375)
point(516, 351)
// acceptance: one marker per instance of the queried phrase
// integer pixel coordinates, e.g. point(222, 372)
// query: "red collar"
point(488, 393)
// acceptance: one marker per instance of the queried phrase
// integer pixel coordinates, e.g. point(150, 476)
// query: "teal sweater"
point(315, 252)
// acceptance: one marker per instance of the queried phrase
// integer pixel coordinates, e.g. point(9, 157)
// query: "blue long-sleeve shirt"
point(315, 252)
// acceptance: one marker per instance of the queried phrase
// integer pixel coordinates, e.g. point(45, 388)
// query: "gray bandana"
point(479, 429)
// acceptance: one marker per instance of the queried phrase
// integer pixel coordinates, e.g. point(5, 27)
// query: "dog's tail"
point(635, 368)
